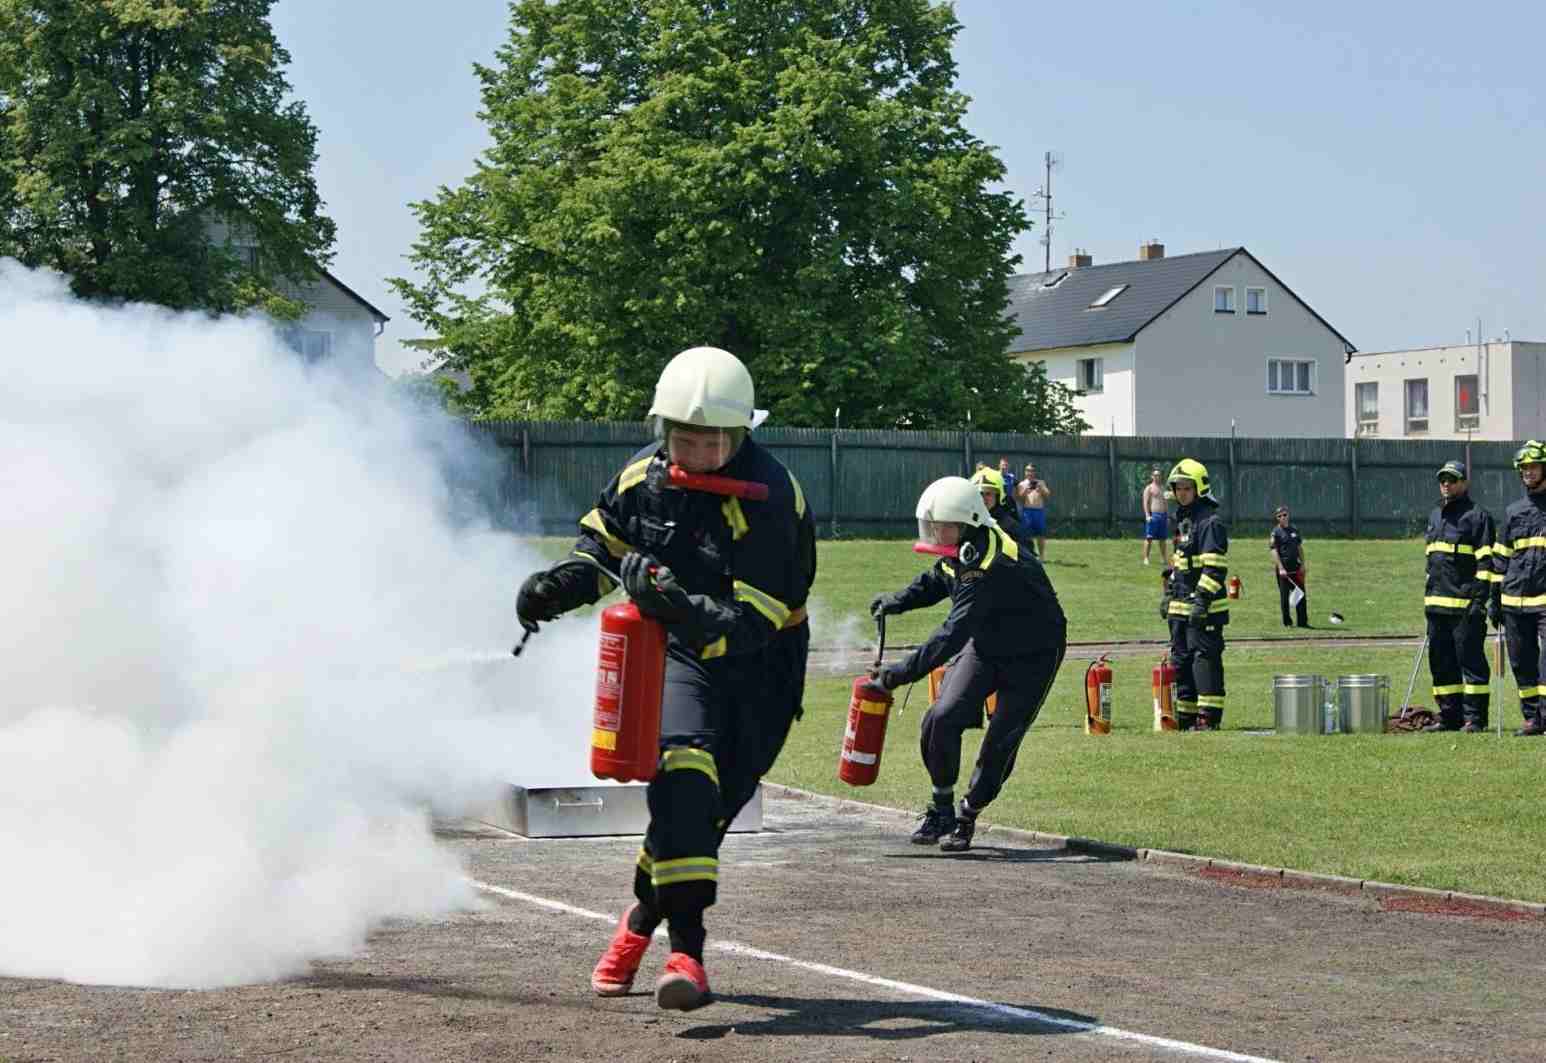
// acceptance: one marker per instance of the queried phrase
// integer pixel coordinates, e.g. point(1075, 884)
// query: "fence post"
point(966, 449)
point(525, 452)
point(1353, 503)
point(1111, 486)
point(836, 494)
point(1231, 499)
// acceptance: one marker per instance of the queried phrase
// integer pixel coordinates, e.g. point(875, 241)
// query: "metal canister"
point(1298, 704)
point(1363, 703)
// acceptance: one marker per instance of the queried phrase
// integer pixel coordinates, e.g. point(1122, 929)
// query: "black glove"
point(1197, 616)
point(888, 677)
point(1495, 613)
point(656, 593)
point(537, 600)
point(1476, 609)
point(884, 605)
point(1165, 607)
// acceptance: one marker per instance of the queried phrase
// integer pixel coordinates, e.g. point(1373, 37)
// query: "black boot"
point(1533, 726)
point(1186, 721)
point(960, 839)
point(937, 822)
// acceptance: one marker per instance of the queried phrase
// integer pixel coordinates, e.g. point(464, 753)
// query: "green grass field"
point(1448, 811)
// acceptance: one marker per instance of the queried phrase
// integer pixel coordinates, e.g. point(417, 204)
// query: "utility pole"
point(1044, 193)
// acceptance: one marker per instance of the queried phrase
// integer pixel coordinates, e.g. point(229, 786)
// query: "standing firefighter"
point(729, 579)
point(1456, 598)
point(1196, 603)
point(1005, 633)
point(990, 484)
point(1521, 561)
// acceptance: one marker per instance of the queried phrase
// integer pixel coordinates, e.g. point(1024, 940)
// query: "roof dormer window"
point(1053, 282)
point(1107, 296)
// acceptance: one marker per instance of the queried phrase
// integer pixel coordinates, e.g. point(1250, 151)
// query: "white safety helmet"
point(950, 500)
point(707, 393)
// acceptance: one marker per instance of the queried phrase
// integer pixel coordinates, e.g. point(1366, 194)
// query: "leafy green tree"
point(128, 126)
point(787, 179)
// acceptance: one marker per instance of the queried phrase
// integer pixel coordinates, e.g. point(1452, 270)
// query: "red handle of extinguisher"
point(750, 490)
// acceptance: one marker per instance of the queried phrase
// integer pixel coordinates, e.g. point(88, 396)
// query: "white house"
point(339, 325)
point(1492, 390)
point(1183, 346)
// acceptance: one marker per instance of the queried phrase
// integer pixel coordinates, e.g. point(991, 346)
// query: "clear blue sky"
point(1386, 160)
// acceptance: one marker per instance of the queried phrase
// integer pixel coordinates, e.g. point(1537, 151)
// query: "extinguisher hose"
point(582, 560)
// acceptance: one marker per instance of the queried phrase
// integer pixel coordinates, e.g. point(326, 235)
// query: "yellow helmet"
point(1195, 471)
point(988, 479)
point(1533, 452)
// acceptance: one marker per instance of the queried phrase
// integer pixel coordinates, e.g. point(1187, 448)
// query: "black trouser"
point(1022, 684)
point(1197, 651)
point(1286, 585)
point(722, 725)
point(1457, 657)
point(1526, 636)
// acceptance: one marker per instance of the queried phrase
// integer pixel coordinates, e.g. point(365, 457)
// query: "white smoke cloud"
point(245, 652)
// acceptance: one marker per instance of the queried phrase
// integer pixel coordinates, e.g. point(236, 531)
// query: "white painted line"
point(908, 988)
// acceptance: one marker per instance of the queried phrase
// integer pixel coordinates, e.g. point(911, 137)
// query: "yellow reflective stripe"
point(717, 648)
point(1220, 606)
point(633, 474)
point(1503, 549)
point(646, 862)
point(1213, 560)
point(1524, 602)
point(1475, 688)
point(731, 508)
point(1488, 576)
point(687, 869)
point(1448, 688)
point(595, 522)
point(1210, 701)
point(949, 568)
point(1483, 553)
point(1209, 584)
point(1532, 692)
point(1446, 603)
point(1007, 544)
point(992, 549)
point(687, 758)
point(1182, 705)
point(776, 611)
point(1527, 543)
point(799, 496)
point(1178, 608)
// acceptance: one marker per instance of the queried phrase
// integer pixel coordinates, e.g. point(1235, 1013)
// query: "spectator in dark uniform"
point(1288, 557)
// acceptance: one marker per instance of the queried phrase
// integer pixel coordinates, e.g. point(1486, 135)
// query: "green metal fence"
point(864, 483)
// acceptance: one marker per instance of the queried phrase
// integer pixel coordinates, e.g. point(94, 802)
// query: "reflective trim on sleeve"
point(1537, 541)
point(1219, 605)
point(646, 862)
point(1488, 576)
point(594, 521)
point(686, 869)
point(717, 648)
point(1213, 560)
point(1503, 549)
point(1179, 608)
point(689, 758)
point(1209, 584)
point(777, 612)
point(1446, 603)
point(634, 474)
point(1450, 548)
point(1484, 553)
point(1519, 601)
point(734, 517)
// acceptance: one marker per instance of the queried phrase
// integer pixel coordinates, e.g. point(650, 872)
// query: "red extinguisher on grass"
point(864, 732)
point(1097, 697)
point(1164, 683)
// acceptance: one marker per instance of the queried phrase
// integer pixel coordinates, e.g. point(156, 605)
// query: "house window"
point(1290, 376)
point(1468, 413)
point(1367, 398)
point(1055, 281)
point(1416, 407)
point(1091, 375)
point(310, 344)
point(1256, 301)
point(1107, 296)
point(1224, 300)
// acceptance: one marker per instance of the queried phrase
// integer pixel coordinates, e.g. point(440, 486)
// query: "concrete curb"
point(1459, 903)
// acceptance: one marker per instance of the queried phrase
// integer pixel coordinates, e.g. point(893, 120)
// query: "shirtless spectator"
point(1156, 517)
point(1032, 494)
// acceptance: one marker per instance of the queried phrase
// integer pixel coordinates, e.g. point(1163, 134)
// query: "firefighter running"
point(1005, 633)
point(729, 579)
point(1196, 604)
point(1520, 557)
point(1456, 599)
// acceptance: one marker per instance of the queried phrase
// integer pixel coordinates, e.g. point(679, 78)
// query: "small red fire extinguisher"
point(864, 733)
point(1097, 697)
point(1164, 683)
point(1234, 586)
point(630, 679)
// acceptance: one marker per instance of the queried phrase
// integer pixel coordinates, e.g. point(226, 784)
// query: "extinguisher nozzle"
point(531, 629)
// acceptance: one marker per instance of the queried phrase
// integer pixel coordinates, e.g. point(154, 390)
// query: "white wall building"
point(1494, 390)
point(1183, 346)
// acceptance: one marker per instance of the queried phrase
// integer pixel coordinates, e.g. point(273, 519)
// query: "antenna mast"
point(1044, 193)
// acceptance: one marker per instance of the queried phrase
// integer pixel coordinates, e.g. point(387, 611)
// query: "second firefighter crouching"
point(1457, 596)
point(1196, 601)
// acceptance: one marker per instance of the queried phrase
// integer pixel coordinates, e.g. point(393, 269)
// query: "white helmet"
point(950, 500)
point(705, 386)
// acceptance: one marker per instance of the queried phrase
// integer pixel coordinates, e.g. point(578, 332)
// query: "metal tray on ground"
point(589, 811)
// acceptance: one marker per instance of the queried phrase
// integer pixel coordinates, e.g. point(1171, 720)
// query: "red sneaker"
point(684, 985)
point(613, 976)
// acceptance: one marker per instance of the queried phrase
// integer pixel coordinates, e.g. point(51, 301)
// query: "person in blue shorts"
point(1032, 494)
point(1156, 517)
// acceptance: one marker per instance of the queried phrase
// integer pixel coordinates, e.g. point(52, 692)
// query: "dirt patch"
point(1452, 906)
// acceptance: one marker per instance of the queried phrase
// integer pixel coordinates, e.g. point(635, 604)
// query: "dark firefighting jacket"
point(1200, 563)
point(1520, 554)
point(1459, 548)
point(1000, 599)
point(753, 563)
point(1008, 521)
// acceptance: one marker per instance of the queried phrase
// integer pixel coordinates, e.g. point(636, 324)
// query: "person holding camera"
point(1032, 494)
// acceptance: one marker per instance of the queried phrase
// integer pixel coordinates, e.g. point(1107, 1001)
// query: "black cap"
point(1453, 468)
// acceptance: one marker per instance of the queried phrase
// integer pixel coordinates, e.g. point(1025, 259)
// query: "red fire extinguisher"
point(1234, 586)
point(1097, 697)
point(1164, 683)
point(864, 733)
point(630, 678)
